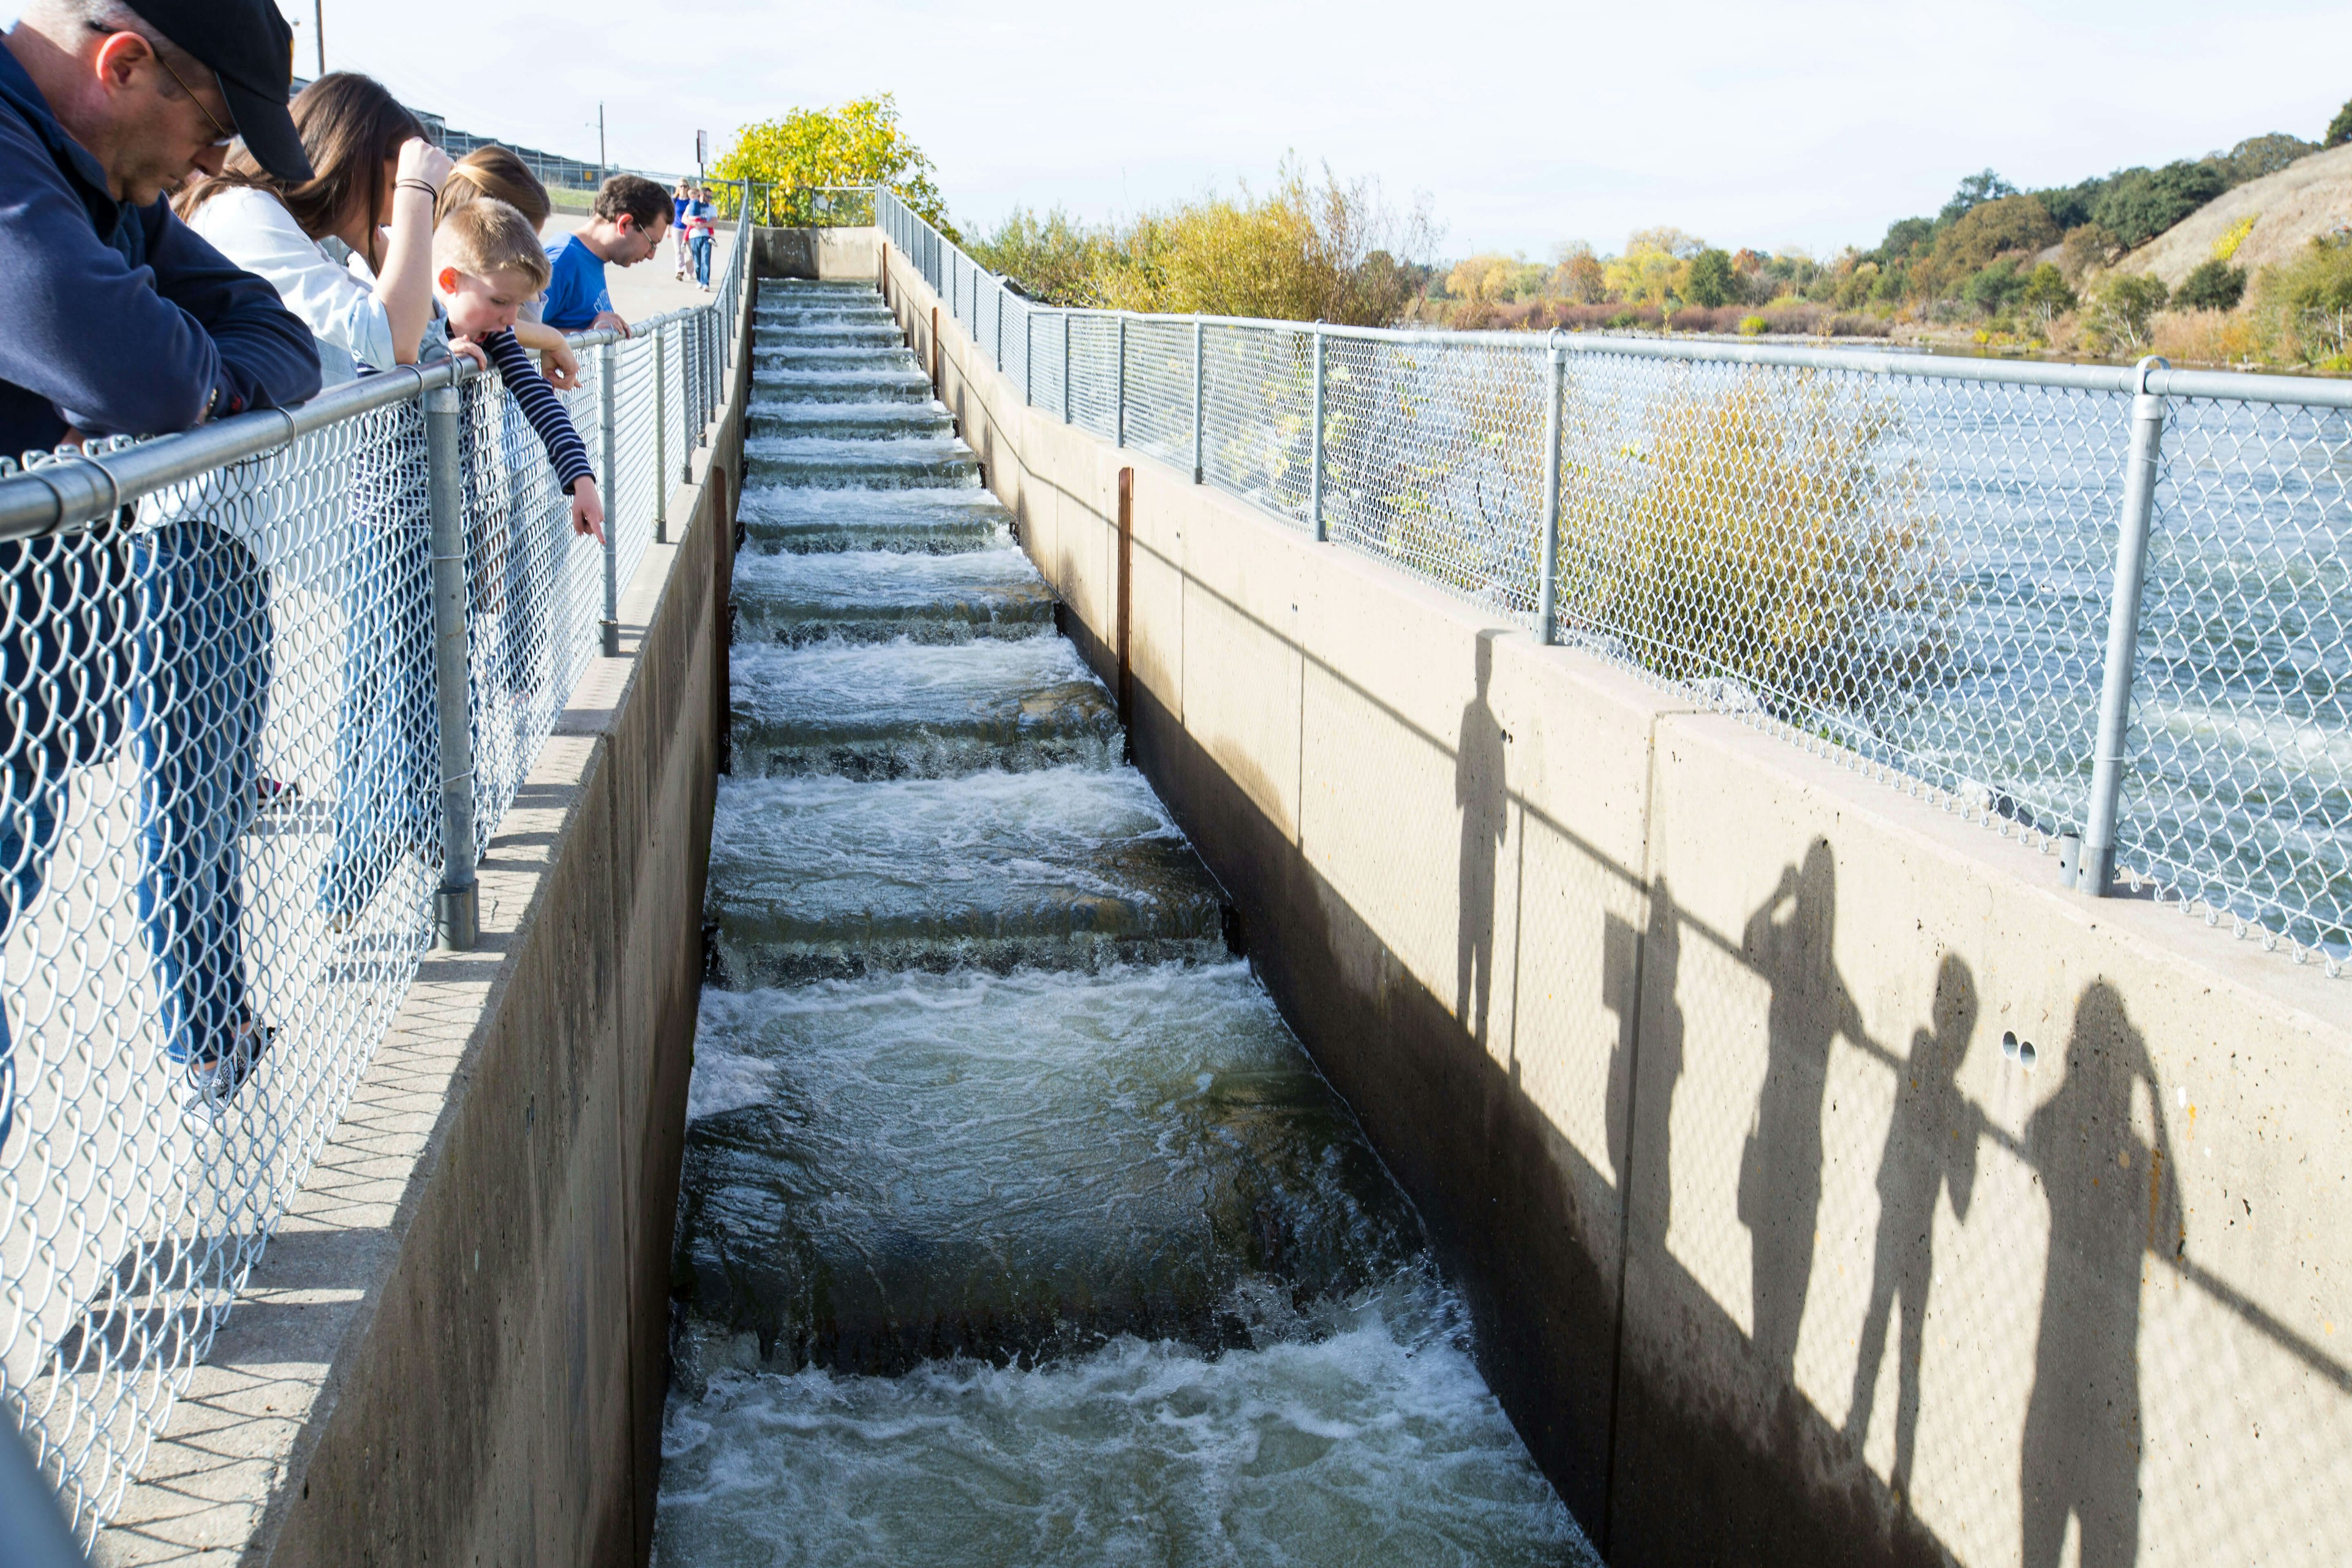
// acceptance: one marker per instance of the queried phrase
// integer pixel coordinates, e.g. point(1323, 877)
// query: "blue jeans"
point(200, 682)
point(33, 806)
point(63, 668)
point(700, 246)
point(387, 780)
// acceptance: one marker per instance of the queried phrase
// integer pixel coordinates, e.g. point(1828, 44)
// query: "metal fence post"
point(661, 435)
point(688, 428)
point(1065, 366)
point(456, 909)
point(1315, 457)
point(1028, 358)
point(1548, 573)
point(999, 329)
point(607, 359)
point(1121, 421)
point(1198, 332)
point(2097, 870)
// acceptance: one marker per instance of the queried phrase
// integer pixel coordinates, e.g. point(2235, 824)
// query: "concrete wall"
point(825, 254)
point(1689, 1044)
point(456, 1349)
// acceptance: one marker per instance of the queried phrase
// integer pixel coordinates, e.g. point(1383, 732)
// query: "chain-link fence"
point(2102, 610)
point(254, 682)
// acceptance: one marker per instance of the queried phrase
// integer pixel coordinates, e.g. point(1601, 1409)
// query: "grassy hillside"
point(2309, 199)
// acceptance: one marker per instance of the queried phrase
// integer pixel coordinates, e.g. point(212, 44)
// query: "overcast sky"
point(1811, 124)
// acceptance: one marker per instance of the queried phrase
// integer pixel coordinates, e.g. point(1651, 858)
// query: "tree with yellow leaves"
point(858, 143)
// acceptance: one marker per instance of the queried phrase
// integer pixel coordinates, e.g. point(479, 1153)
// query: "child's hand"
point(467, 347)
point(561, 367)
point(587, 510)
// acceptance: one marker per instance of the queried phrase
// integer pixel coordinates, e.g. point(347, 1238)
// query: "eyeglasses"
point(226, 135)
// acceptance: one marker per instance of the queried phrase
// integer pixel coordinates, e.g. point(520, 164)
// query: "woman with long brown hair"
point(375, 182)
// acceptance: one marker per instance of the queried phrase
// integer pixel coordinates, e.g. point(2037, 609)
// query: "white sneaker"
point(211, 1085)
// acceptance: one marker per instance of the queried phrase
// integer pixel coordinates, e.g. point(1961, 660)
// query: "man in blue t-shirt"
point(631, 216)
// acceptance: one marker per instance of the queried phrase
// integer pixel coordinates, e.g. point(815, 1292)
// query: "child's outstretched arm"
point(565, 451)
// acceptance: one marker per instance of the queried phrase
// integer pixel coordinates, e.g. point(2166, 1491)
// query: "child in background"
point(681, 197)
point(487, 265)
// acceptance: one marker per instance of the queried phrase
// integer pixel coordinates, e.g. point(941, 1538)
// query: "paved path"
point(651, 287)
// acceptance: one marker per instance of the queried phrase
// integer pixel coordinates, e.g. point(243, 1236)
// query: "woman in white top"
point(375, 182)
point(350, 251)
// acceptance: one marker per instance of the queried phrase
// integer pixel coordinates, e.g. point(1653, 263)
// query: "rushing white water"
point(1008, 703)
point(913, 1166)
point(810, 873)
point(1373, 1443)
point(886, 594)
point(1015, 1226)
point(935, 518)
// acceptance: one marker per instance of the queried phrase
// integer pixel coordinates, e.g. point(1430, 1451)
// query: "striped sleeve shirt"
point(566, 453)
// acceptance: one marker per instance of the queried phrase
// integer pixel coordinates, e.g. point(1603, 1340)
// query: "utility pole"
point(600, 141)
point(319, 31)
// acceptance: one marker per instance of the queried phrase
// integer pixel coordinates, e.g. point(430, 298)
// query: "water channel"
point(1015, 1227)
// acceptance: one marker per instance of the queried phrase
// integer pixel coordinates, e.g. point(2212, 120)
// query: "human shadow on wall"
point(1931, 1147)
point(1645, 1064)
point(1779, 1192)
point(1479, 790)
point(2114, 1200)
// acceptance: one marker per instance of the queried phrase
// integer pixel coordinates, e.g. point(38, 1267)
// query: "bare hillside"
point(2310, 196)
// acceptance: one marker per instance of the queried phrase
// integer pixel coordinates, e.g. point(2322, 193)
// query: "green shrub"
point(2306, 304)
point(1752, 326)
point(2125, 308)
point(2339, 129)
point(1710, 282)
point(2212, 286)
point(2046, 293)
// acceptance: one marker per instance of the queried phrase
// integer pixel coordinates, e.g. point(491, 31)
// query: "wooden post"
point(1125, 595)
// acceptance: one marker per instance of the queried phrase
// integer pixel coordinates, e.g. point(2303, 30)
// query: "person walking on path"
point(122, 322)
point(701, 229)
point(681, 197)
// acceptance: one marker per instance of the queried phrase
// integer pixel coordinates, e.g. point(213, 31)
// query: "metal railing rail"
point(266, 690)
point(2102, 608)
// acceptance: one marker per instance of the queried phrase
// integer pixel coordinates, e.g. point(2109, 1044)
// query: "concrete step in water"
point(791, 304)
point(876, 596)
point(895, 1168)
point(1068, 867)
point(829, 334)
point(934, 521)
point(834, 463)
point(833, 356)
point(867, 421)
point(881, 384)
point(918, 709)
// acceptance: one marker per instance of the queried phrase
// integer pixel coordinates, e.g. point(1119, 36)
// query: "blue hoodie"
point(118, 319)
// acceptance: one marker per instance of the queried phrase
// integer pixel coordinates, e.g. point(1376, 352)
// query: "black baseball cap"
point(251, 48)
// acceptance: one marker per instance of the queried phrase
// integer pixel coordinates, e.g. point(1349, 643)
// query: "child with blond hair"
point(487, 265)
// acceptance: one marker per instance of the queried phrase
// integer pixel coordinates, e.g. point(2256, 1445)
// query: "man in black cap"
point(116, 319)
point(119, 321)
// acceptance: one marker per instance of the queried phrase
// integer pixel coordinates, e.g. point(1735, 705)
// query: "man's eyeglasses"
point(226, 135)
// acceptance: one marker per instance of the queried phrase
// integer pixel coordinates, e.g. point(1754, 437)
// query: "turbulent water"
point(1015, 1227)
